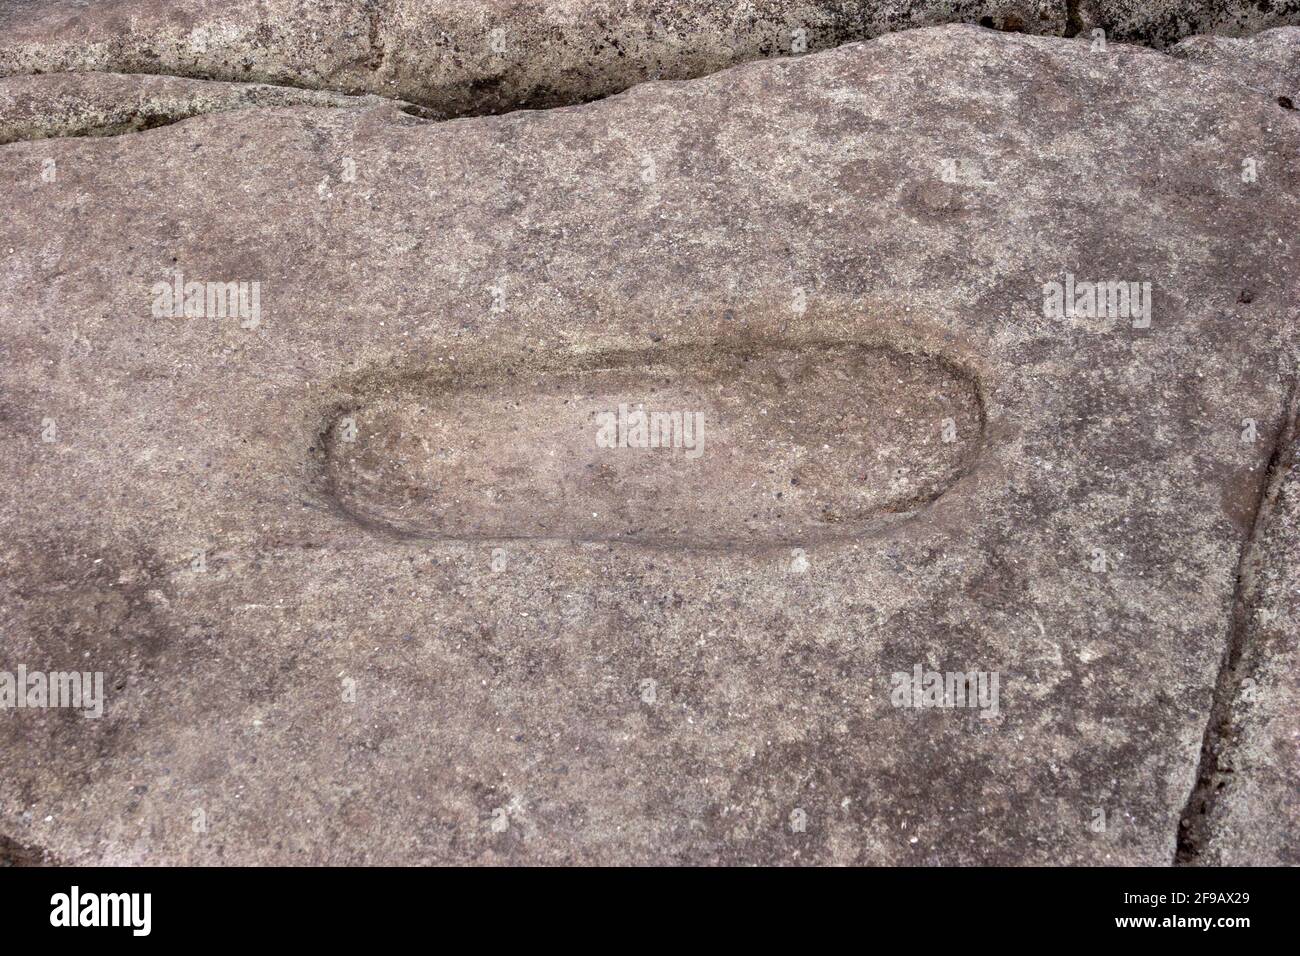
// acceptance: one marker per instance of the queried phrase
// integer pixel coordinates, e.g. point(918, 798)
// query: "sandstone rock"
point(1268, 62)
point(463, 57)
point(293, 678)
point(1162, 23)
point(1246, 811)
point(490, 56)
point(108, 104)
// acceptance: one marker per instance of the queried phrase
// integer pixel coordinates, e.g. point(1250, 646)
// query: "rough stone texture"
point(1162, 23)
point(553, 700)
point(108, 104)
point(463, 57)
point(471, 57)
point(1268, 62)
point(422, 454)
point(1245, 809)
point(1253, 788)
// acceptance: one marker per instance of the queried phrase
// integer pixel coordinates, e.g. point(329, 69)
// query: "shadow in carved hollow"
point(707, 446)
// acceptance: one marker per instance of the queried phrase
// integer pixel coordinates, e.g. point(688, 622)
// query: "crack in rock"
point(108, 104)
point(478, 57)
point(1215, 771)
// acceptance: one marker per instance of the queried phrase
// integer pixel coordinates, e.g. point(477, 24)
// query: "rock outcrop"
point(473, 57)
point(1010, 321)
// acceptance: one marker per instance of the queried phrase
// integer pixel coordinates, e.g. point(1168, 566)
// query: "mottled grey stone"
point(177, 523)
point(109, 104)
point(1246, 811)
point(463, 57)
point(1162, 23)
point(1268, 62)
point(471, 57)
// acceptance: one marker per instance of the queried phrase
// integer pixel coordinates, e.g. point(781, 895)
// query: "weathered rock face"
point(1162, 23)
point(109, 104)
point(1246, 810)
point(427, 459)
point(301, 664)
point(471, 57)
point(463, 58)
point(1268, 62)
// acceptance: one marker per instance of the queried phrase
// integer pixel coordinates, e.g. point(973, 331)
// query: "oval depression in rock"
point(697, 446)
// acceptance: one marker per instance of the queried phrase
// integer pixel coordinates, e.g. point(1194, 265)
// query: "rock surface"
point(462, 57)
point(290, 682)
point(1162, 23)
point(109, 104)
point(419, 451)
point(1268, 62)
point(1246, 811)
point(471, 57)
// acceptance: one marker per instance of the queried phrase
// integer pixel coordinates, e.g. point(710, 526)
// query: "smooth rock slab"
point(287, 683)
